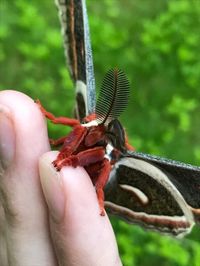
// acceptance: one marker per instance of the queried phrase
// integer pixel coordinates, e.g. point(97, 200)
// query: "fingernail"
point(7, 137)
point(52, 187)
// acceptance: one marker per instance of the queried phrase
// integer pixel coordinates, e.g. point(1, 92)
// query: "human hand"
point(57, 223)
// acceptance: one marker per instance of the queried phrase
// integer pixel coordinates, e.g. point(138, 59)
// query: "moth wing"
point(185, 177)
point(142, 193)
point(76, 37)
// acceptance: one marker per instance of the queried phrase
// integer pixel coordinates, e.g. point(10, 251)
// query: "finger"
point(3, 247)
point(27, 232)
point(81, 236)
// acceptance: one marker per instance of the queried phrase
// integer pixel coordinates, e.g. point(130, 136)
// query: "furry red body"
point(87, 143)
point(84, 146)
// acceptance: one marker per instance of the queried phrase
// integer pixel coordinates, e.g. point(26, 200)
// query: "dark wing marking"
point(75, 30)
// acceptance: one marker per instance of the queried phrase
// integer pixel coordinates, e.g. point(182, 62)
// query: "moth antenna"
point(113, 96)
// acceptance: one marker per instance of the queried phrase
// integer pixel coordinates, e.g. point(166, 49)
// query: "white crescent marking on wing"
point(137, 192)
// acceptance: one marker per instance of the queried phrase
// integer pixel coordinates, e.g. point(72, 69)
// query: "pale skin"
point(46, 218)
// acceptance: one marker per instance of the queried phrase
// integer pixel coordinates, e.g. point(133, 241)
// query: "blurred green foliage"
point(158, 47)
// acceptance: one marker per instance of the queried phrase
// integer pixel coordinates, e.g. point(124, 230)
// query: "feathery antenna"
point(113, 96)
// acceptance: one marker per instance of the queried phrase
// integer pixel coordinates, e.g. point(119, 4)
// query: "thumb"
point(80, 235)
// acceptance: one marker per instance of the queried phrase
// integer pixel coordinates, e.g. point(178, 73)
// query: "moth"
point(157, 193)
point(99, 141)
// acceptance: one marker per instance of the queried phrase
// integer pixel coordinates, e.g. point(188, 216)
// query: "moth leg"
point(71, 143)
point(56, 142)
point(78, 134)
point(83, 158)
point(93, 171)
point(58, 120)
point(101, 182)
